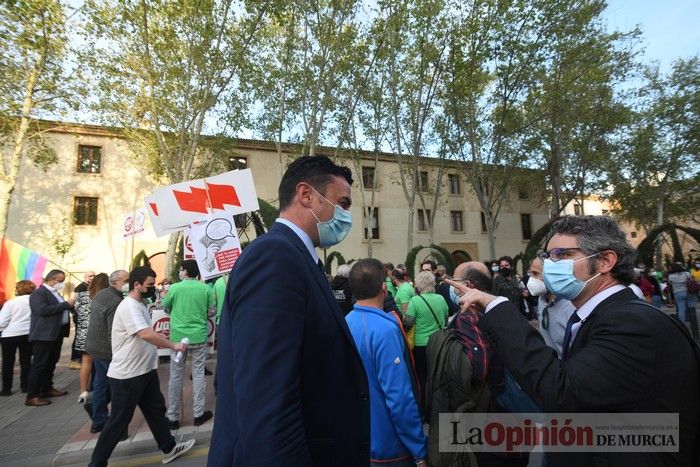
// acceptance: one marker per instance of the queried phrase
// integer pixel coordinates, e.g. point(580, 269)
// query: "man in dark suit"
point(49, 325)
point(291, 387)
point(619, 354)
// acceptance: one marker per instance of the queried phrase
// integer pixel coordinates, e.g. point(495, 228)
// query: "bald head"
point(476, 273)
point(89, 276)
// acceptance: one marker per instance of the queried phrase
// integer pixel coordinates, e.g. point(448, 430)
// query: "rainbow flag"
point(18, 263)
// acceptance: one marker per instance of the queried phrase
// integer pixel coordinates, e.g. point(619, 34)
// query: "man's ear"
point(303, 193)
point(606, 261)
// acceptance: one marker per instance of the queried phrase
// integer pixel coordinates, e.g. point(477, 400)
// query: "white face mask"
point(58, 287)
point(536, 287)
point(125, 287)
point(182, 275)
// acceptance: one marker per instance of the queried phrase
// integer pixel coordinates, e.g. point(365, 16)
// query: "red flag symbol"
point(222, 194)
point(197, 201)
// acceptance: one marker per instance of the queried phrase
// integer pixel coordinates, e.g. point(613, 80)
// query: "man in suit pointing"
point(619, 354)
point(292, 390)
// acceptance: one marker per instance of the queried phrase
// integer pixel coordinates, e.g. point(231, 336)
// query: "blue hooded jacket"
point(396, 426)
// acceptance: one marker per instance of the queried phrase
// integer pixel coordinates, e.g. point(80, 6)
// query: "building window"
point(634, 234)
point(237, 163)
point(89, 159)
point(372, 229)
point(523, 194)
point(424, 219)
point(368, 179)
point(85, 211)
point(526, 226)
point(423, 182)
point(454, 184)
point(483, 222)
point(578, 209)
point(456, 221)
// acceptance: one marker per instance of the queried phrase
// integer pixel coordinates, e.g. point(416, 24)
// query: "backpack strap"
point(432, 312)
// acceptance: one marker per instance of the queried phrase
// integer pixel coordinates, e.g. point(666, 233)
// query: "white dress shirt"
point(15, 317)
point(60, 300)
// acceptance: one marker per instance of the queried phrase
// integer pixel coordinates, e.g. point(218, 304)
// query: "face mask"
point(454, 297)
point(505, 271)
point(166, 287)
point(150, 292)
point(125, 287)
point(334, 230)
point(494, 268)
point(58, 287)
point(536, 287)
point(182, 275)
point(697, 265)
point(560, 280)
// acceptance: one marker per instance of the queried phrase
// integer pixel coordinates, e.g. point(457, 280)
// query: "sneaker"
point(207, 415)
point(177, 451)
point(173, 424)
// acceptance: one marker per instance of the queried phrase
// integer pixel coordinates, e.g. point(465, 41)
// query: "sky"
point(670, 28)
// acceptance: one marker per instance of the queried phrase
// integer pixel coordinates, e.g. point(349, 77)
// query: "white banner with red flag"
point(174, 207)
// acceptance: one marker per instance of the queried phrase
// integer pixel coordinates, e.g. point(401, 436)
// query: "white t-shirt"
point(131, 355)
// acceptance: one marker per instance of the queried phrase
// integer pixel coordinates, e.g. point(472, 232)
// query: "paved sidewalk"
point(59, 434)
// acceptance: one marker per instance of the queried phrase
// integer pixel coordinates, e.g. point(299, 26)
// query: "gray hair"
point(343, 270)
point(114, 277)
point(425, 281)
point(595, 234)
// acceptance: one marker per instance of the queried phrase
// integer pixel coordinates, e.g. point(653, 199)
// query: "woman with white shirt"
point(15, 317)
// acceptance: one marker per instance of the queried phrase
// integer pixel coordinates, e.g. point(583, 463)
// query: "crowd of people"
point(356, 370)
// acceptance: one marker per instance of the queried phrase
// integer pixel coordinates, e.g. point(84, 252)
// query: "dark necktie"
point(320, 268)
point(574, 318)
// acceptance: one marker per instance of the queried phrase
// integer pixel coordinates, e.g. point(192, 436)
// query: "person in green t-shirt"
point(390, 287)
point(190, 304)
point(404, 290)
point(428, 313)
point(220, 294)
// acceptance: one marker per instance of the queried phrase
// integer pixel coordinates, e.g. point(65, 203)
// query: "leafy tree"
point(656, 172)
point(162, 68)
point(37, 79)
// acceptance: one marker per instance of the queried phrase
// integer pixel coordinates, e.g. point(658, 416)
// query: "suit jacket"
point(627, 357)
point(291, 387)
point(47, 316)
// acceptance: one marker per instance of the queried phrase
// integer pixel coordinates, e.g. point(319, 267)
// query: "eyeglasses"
point(555, 254)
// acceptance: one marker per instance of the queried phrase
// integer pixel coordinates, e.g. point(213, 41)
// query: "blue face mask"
point(560, 280)
point(334, 230)
point(454, 296)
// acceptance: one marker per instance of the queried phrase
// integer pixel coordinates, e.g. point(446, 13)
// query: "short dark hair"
point(367, 278)
point(433, 264)
point(478, 279)
point(506, 258)
point(53, 273)
point(317, 171)
point(190, 267)
point(595, 234)
point(398, 274)
point(676, 267)
point(139, 275)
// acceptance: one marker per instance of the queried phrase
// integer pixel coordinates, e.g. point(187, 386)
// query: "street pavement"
point(59, 434)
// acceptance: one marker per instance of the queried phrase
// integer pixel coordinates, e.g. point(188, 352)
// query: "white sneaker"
point(177, 451)
point(81, 398)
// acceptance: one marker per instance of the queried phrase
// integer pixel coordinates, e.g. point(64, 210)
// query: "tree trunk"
point(170, 254)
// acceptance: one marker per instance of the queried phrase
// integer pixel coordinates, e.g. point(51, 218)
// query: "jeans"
point(657, 301)
point(9, 349)
point(198, 353)
point(681, 305)
point(100, 392)
point(142, 391)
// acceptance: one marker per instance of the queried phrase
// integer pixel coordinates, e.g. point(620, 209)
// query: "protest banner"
point(174, 207)
point(134, 223)
point(216, 245)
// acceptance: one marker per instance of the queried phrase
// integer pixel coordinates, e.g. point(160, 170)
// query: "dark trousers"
point(420, 359)
point(46, 355)
point(100, 392)
point(142, 391)
point(9, 349)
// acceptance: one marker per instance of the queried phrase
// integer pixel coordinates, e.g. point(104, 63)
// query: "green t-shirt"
point(189, 302)
point(390, 287)
point(219, 293)
point(403, 295)
point(424, 321)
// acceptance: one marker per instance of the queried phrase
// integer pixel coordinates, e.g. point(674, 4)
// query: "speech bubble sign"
point(219, 229)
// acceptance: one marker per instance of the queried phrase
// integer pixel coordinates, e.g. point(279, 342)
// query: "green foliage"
point(646, 248)
point(334, 255)
point(440, 255)
point(141, 259)
point(268, 213)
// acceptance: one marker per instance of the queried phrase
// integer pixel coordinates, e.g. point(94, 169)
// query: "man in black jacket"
point(619, 354)
point(49, 325)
